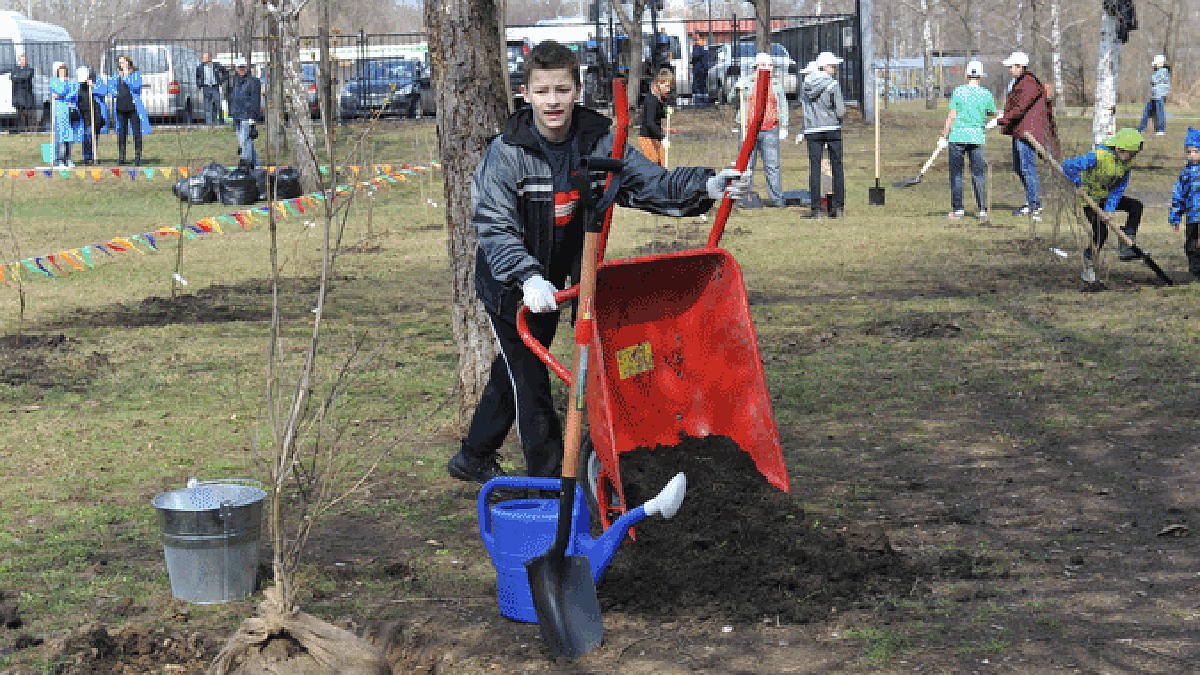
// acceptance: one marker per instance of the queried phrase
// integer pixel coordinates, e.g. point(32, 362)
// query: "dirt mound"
point(91, 648)
point(740, 550)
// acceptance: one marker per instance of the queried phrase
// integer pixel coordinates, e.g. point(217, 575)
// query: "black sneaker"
point(475, 470)
point(815, 214)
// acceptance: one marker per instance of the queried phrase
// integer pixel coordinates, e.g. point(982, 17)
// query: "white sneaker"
point(955, 215)
point(983, 214)
point(70, 164)
point(1036, 214)
point(1089, 273)
point(1160, 133)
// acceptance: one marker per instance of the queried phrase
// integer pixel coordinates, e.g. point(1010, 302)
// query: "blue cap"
point(1193, 138)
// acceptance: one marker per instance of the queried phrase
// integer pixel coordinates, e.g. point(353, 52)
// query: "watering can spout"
point(601, 550)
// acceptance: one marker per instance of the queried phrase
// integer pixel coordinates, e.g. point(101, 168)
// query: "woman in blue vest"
point(126, 86)
point(64, 94)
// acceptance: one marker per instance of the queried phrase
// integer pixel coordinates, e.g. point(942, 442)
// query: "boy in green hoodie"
point(1103, 175)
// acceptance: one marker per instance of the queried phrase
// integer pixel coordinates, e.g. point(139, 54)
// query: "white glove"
point(539, 295)
point(799, 139)
point(783, 134)
point(991, 124)
point(942, 143)
point(729, 182)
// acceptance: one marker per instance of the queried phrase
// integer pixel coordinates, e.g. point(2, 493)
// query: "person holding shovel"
point(1027, 108)
point(654, 109)
point(526, 211)
point(774, 126)
point(824, 108)
point(964, 134)
point(1103, 175)
point(93, 114)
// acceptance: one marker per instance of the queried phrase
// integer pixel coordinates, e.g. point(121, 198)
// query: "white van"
point(168, 71)
point(43, 44)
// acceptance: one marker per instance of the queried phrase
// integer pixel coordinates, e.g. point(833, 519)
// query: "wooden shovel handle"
point(1087, 199)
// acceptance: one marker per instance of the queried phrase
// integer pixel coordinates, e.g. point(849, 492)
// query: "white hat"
point(827, 59)
point(239, 62)
point(1016, 59)
point(82, 73)
point(54, 68)
point(763, 60)
point(1159, 60)
point(975, 69)
point(809, 68)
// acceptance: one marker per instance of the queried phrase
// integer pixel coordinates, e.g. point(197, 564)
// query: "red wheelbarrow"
point(673, 353)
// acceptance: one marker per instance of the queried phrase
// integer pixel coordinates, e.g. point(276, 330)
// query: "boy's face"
point(1193, 155)
point(551, 94)
point(1125, 155)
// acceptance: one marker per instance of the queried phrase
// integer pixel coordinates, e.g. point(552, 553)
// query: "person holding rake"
point(1103, 175)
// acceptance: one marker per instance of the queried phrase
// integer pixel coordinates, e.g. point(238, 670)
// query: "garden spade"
point(1158, 271)
point(928, 163)
point(562, 586)
point(875, 196)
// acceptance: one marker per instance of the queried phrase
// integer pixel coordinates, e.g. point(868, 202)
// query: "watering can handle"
point(527, 482)
point(538, 348)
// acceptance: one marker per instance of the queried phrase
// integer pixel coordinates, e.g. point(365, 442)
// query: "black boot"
point(137, 150)
point(121, 153)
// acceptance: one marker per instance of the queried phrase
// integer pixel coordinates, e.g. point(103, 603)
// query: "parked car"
point(725, 70)
point(518, 49)
point(43, 44)
point(169, 89)
point(389, 87)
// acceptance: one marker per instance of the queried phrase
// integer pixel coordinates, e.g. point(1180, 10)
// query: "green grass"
point(128, 407)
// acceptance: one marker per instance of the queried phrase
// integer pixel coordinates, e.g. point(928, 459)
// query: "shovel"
point(928, 163)
point(1158, 271)
point(562, 586)
point(875, 195)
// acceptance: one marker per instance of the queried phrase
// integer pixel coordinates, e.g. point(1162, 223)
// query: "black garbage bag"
point(287, 183)
point(238, 187)
point(264, 181)
point(180, 188)
point(199, 190)
point(214, 171)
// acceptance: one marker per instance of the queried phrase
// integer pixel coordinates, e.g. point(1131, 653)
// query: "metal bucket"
point(210, 539)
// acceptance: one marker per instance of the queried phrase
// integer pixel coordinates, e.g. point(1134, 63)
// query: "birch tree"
point(1108, 61)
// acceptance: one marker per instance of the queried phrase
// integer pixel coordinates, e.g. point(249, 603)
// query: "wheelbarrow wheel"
point(589, 477)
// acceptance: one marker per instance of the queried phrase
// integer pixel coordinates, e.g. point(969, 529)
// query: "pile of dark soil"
point(740, 550)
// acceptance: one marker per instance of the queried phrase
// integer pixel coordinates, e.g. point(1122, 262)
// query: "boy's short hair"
point(665, 75)
point(551, 55)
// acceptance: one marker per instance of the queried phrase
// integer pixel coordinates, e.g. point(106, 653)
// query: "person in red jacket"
point(1027, 109)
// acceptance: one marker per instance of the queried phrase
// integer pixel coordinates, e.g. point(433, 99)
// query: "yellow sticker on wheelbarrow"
point(635, 360)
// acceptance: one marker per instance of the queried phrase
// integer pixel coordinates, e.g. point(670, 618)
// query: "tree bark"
point(631, 22)
point(927, 51)
point(1056, 67)
point(465, 51)
point(1108, 64)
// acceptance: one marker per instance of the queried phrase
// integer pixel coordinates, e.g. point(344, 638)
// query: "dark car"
point(387, 87)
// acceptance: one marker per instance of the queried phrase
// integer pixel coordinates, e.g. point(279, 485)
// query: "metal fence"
point(388, 73)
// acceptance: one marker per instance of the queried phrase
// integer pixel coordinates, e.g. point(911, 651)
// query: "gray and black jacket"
point(512, 201)
point(824, 108)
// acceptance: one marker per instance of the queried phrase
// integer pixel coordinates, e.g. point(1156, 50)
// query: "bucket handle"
point(529, 482)
point(195, 482)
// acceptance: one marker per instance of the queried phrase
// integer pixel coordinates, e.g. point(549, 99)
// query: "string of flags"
point(83, 258)
point(96, 173)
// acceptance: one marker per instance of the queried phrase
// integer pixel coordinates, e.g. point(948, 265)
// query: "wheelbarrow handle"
point(761, 84)
point(537, 347)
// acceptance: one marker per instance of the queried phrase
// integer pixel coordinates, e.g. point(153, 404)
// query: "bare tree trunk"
point(927, 51)
point(762, 33)
point(465, 49)
point(1056, 67)
point(299, 133)
point(632, 23)
point(1104, 118)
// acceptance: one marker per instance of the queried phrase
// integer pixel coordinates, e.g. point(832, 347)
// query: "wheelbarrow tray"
point(675, 354)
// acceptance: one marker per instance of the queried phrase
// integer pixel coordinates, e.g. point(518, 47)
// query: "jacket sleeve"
point(500, 235)
point(1178, 199)
point(839, 103)
point(651, 188)
point(781, 103)
point(1073, 168)
point(1022, 97)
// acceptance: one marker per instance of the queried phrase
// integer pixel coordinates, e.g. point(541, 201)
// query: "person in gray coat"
point(824, 108)
point(1160, 88)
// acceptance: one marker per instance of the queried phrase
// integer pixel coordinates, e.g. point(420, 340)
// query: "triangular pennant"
point(133, 174)
point(115, 246)
point(149, 171)
point(116, 172)
point(13, 173)
point(2, 279)
point(96, 173)
point(31, 173)
point(100, 246)
point(67, 256)
point(86, 254)
point(33, 268)
point(150, 241)
point(183, 171)
point(166, 171)
point(81, 173)
point(38, 264)
point(137, 239)
point(55, 263)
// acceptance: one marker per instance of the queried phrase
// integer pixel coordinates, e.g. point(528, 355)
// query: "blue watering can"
point(519, 530)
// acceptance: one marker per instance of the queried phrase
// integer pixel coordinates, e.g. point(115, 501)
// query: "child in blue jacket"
point(1185, 202)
